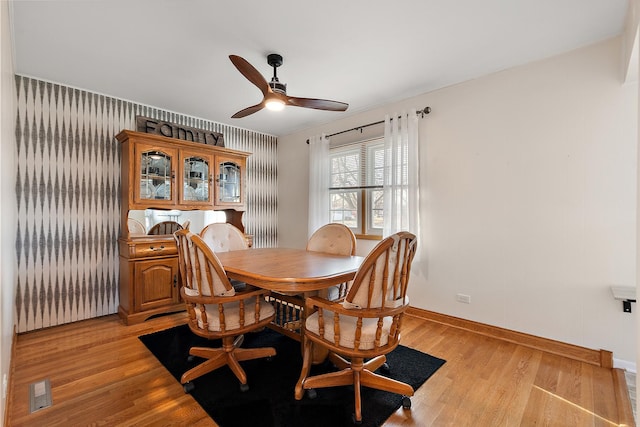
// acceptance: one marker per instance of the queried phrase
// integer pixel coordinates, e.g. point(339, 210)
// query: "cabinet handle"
point(156, 248)
point(175, 280)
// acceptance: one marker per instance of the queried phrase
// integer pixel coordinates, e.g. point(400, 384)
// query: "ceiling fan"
point(275, 93)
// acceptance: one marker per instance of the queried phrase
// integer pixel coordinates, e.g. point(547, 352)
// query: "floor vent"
point(39, 395)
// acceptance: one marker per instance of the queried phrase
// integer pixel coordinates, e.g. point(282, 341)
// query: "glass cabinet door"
point(156, 174)
point(196, 179)
point(229, 182)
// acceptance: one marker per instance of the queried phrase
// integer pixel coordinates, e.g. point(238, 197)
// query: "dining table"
point(291, 275)
point(289, 271)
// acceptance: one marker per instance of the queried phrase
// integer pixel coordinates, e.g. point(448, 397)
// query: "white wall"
point(7, 195)
point(528, 186)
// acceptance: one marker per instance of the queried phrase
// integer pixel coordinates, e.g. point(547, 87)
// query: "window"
point(357, 175)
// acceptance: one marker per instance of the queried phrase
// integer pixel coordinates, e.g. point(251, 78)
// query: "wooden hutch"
point(165, 173)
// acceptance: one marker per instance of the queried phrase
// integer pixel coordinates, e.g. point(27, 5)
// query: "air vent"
point(39, 395)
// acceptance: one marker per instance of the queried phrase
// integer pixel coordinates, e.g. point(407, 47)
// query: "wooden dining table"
point(291, 275)
point(289, 271)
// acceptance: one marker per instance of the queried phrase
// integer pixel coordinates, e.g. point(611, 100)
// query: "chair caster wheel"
point(385, 368)
point(312, 393)
point(188, 387)
point(353, 419)
point(190, 358)
point(244, 387)
point(406, 402)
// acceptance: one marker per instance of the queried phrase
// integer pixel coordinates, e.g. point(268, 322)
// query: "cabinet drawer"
point(154, 249)
point(148, 247)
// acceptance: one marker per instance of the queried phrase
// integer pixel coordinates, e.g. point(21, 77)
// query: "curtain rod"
point(425, 110)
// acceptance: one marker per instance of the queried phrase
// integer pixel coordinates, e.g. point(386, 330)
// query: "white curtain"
point(318, 183)
point(401, 204)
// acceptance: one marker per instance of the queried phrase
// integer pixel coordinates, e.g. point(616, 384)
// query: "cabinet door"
point(154, 178)
point(195, 173)
point(156, 283)
point(229, 181)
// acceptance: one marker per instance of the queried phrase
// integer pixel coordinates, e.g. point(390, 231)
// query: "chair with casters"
point(365, 325)
point(217, 311)
point(223, 237)
point(164, 227)
point(136, 228)
point(337, 239)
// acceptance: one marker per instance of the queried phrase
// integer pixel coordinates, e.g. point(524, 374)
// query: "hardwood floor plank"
point(625, 409)
point(101, 374)
point(605, 406)
point(508, 394)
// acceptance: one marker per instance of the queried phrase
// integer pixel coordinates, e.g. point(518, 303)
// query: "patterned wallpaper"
point(68, 197)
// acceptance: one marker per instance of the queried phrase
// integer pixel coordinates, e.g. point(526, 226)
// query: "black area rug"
point(270, 401)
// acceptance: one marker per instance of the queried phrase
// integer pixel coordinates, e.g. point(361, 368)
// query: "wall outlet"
point(463, 298)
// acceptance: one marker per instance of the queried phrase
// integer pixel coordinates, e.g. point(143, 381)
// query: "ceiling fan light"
point(274, 105)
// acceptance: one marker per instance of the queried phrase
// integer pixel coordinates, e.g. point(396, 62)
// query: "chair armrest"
point(244, 294)
point(313, 303)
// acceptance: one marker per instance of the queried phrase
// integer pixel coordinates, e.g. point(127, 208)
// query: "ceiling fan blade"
point(276, 91)
point(250, 73)
point(247, 111)
point(318, 104)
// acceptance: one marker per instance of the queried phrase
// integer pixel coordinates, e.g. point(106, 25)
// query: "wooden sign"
point(173, 130)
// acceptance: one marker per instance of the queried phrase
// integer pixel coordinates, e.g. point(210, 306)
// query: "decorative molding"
point(603, 358)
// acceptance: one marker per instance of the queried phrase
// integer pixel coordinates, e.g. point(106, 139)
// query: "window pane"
point(345, 169)
point(376, 211)
point(360, 166)
point(344, 208)
point(374, 164)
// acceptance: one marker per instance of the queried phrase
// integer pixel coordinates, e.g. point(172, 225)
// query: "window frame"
point(366, 150)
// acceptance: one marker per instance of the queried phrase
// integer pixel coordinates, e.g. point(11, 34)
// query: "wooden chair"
point(365, 325)
point(165, 227)
point(223, 237)
point(217, 311)
point(337, 239)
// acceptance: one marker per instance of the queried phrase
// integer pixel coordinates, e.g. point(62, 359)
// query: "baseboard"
point(625, 410)
point(602, 358)
point(625, 365)
point(8, 402)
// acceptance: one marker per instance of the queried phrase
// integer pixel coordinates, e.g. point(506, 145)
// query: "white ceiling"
point(173, 54)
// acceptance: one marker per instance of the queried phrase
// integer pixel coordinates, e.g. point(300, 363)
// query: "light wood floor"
point(101, 374)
